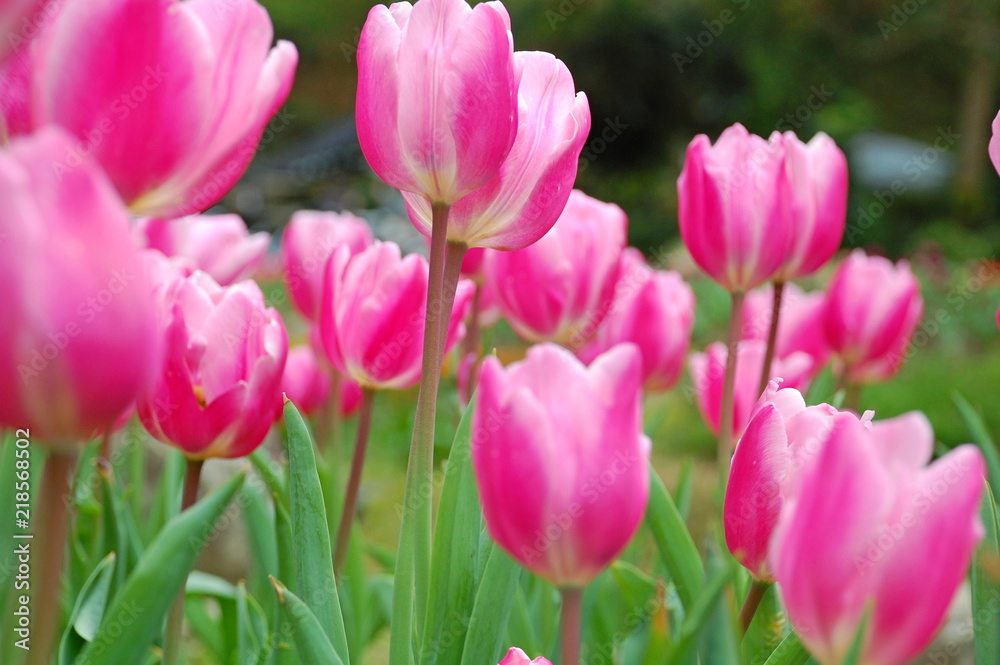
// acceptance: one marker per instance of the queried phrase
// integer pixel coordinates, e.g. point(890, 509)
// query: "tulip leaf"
point(135, 617)
point(251, 628)
point(310, 636)
point(673, 540)
point(284, 652)
point(491, 611)
point(167, 497)
point(261, 542)
point(265, 469)
point(456, 555)
point(981, 435)
point(766, 630)
point(986, 586)
point(789, 652)
point(87, 611)
point(698, 614)
point(312, 554)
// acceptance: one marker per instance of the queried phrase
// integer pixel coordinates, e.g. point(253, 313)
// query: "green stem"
point(175, 620)
point(53, 513)
point(852, 396)
point(570, 626)
point(772, 337)
point(729, 382)
point(354, 482)
point(754, 596)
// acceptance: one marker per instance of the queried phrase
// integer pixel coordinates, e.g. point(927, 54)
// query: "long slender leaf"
point(986, 588)
point(981, 435)
point(494, 599)
point(310, 636)
point(87, 611)
point(677, 549)
point(699, 613)
point(789, 652)
point(766, 631)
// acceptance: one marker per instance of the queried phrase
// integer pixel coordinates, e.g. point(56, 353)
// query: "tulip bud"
point(517, 657)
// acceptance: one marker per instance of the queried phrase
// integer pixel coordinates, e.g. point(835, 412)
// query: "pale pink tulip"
point(522, 202)
point(517, 657)
point(561, 460)
point(437, 95)
point(800, 327)
point(733, 207)
point(994, 147)
point(561, 288)
point(78, 333)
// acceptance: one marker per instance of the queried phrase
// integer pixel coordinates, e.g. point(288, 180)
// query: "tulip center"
point(199, 394)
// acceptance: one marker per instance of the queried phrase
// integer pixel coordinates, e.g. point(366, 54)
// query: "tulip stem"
point(754, 596)
point(729, 383)
point(772, 337)
point(570, 626)
point(53, 513)
point(105, 449)
point(471, 344)
point(175, 620)
point(409, 599)
point(354, 482)
point(852, 396)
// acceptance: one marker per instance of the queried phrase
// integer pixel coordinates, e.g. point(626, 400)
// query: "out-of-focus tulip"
point(19, 21)
point(994, 148)
point(708, 370)
point(654, 310)
point(372, 315)
point(78, 333)
point(874, 532)
point(733, 204)
point(522, 202)
point(817, 180)
point(562, 460)
point(800, 327)
point(219, 245)
point(437, 95)
point(561, 288)
point(517, 657)
point(219, 390)
point(872, 309)
point(304, 381)
point(310, 238)
point(170, 97)
point(70, 314)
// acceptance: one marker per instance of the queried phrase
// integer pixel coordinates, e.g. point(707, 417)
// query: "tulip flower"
point(561, 462)
point(78, 328)
point(561, 288)
point(994, 147)
point(310, 238)
point(437, 95)
point(707, 373)
point(304, 381)
point(874, 537)
point(19, 20)
point(517, 657)
point(873, 308)
point(522, 202)
point(801, 325)
point(171, 97)
point(372, 315)
point(218, 245)
point(654, 310)
point(219, 390)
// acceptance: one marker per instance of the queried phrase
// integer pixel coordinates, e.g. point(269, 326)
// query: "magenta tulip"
point(561, 288)
point(873, 534)
point(517, 657)
point(708, 370)
point(171, 97)
point(219, 390)
point(522, 202)
point(310, 238)
point(800, 328)
point(219, 245)
point(305, 382)
point(372, 315)
point(733, 207)
point(994, 147)
point(873, 308)
point(19, 21)
point(561, 459)
point(78, 335)
point(437, 95)
point(817, 180)
point(654, 310)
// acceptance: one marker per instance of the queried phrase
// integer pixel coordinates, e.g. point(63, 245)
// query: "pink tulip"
point(654, 310)
point(817, 179)
point(708, 370)
point(517, 657)
point(800, 327)
point(733, 207)
point(994, 147)
point(561, 459)
point(19, 21)
point(171, 97)
point(310, 238)
point(78, 331)
point(873, 307)
point(305, 382)
point(219, 390)
point(219, 245)
point(372, 315)
point(561, 288)
point(522, 202)
point(874, 532)
point(437, 95)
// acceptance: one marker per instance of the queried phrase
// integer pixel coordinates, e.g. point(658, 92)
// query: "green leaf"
point(261, 542)
point(271, 477)
point(858, 644)
point(685, 489)
point(986, 588)
point(167, 497)
point(677, 549)
point(981, 435)
point(136, 616)
point(494, 599)
point(699, 613)
point(204, 584)
point(87, 611)
point(456, 555)
point(789, 652)
point(312, 555)
point(310, 636)
point(766, 631)
point(283, 650)
point(251, 628)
